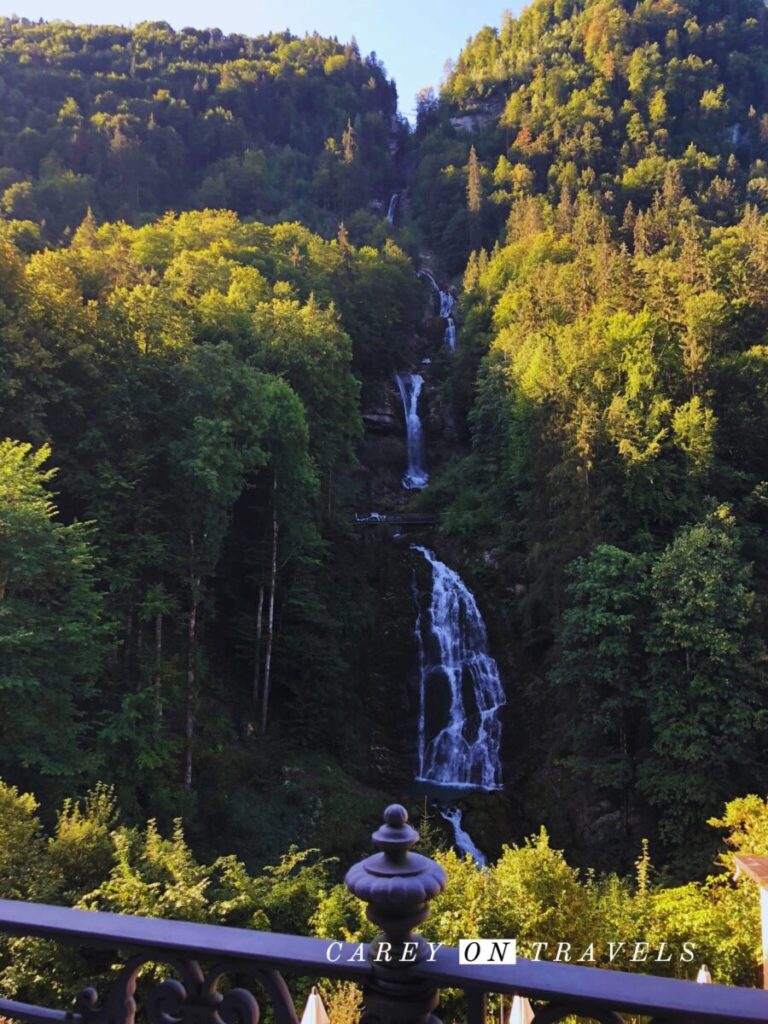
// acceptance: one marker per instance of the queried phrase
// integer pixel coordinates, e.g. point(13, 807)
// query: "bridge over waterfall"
point(394, 518)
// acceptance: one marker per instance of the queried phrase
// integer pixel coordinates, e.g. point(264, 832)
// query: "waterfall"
point(460, 688)
point(447, 302)
point(392, 208)
point(450, 334)
point(410, 385)
point(462, 840)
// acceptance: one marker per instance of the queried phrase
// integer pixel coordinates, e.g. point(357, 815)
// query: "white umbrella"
point(704, 977)
point(314, 1011)
point(521, 1012)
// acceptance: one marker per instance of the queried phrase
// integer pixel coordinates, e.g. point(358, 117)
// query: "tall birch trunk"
point(257, 658)
point(270, 613)
point(189, 690)
point(158, 665)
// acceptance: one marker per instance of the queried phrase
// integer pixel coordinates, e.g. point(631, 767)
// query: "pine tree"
point(349, 143)
point(474, 184)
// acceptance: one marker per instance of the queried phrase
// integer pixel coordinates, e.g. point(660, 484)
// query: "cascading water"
point(410, 385)
point(392, 208)
point(447, 302)
point(462, 840)
point(461, 691)
point(450, 334)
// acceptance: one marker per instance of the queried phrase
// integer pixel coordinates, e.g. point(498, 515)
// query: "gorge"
point(460, 689)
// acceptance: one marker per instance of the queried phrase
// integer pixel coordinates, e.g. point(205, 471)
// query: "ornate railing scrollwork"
point(194, 999)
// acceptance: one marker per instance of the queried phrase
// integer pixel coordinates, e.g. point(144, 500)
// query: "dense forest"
point(205, 292)
point(135, 122)
point(598, 170)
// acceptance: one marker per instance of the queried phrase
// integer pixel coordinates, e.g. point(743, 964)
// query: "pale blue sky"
point(414, 38)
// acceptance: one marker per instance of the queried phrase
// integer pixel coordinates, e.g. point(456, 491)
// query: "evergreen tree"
point(602, 671)
point(706, 682)
point(474, 184)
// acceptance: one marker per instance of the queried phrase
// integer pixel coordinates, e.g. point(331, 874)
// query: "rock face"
point(383, 453)
point(479, 117)
point(381, 421)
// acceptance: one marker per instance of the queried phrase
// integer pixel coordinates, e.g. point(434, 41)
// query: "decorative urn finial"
point(396, 883)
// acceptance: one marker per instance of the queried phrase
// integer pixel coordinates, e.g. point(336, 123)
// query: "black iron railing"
point(397, 885)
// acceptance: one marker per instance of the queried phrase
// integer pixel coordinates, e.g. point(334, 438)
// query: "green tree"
point(474, 198)
point(602, 671)
point(706, 681)
point(232, 418)
point(52, 630)
point(22, 844)
point(474, 183)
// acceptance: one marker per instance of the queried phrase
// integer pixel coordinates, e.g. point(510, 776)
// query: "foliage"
point(532, 892)
point(134, 122)
point(195, 379)
point(705, 686)
point(52, 635)
point(593, 171)
point(623, 100)
point(597, 175)
point(94, 862)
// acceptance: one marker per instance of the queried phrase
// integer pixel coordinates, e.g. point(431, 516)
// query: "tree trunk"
point(189, 694)
point(189, 690)
point(257, 658)
point(270, 614)
point(158, 665)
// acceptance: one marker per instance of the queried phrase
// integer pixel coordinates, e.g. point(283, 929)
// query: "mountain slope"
point(134, 122)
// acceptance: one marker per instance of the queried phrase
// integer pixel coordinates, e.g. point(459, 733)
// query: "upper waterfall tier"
point(447, 303)
point(410, 386)
point(392, 208)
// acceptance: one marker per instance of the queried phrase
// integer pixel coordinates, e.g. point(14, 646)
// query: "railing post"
point(397, 885)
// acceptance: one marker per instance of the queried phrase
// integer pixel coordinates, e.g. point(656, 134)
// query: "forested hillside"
point(626, 101)
point(603, 164)
point(134, 122)
point(209, 594)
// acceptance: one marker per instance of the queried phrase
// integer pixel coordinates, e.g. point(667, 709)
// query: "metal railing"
point(396, 884)
point(395, 518)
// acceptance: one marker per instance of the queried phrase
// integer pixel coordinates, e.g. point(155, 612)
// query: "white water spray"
point(392, 208)
point(461, 691)
point(462, 840)
point(410, 386)
point(450, 334)
point(447, 302)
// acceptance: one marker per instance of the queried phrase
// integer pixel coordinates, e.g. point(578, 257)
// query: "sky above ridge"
point(413, 38)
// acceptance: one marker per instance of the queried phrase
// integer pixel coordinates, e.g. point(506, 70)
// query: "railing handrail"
point(580, 987)
point(101, 929)
point(592, 987)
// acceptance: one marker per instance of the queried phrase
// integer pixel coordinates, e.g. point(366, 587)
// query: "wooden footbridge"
point(394, 518)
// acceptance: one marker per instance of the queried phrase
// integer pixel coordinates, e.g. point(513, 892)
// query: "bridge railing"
point(395, 518)
point(400, 976)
